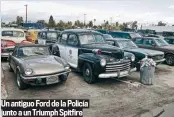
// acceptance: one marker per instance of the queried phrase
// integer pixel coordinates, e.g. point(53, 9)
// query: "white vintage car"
point(10, 37)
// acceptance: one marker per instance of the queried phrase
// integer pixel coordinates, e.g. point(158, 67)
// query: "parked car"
point(34, 65)
point(160, 44)
point(87, 51)
point(129, 46)
point(169, 39)
point(9, 38)
point(47, 37)
point(126, 35)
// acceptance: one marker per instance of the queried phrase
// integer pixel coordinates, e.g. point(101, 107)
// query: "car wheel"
point(21, 85)
point(138, 67)
point(169, 59)
point(10, 68)
point(88, 74)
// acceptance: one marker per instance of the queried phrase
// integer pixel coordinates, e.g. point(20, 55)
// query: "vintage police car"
point(88, 52)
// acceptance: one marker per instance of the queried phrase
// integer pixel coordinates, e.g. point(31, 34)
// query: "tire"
point(10, 68)
point(138, 67)
point(21, 85)
point(169, 59)
point(88, 74)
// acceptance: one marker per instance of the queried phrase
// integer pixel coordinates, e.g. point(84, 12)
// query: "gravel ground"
point(108, 97)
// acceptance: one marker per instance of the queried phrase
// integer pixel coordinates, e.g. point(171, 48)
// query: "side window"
point(138, 41)
point(149, 42)
point(63, 38)
point(72, 40)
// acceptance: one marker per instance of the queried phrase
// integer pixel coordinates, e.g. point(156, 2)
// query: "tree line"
point(91, 24)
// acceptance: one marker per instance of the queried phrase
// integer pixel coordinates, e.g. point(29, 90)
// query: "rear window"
point(120, 35)
point(13, 33)
point(138, 41)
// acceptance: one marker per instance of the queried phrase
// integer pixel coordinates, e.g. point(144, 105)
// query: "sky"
point(143, 11)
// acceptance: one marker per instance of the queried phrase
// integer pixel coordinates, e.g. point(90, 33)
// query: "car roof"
point(123, 32)
point(31, 45)
point(117, 39)
point(12, 29)
point(81, 31)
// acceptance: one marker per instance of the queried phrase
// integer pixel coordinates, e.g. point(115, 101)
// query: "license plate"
point(124, 73)
point(52, 80)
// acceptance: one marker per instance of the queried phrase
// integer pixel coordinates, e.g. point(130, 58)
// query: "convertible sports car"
point(34, 65)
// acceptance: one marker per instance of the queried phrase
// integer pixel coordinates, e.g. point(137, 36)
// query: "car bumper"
point(117, 74)
point(160, 61)
point(5, 55)
point(42, 79)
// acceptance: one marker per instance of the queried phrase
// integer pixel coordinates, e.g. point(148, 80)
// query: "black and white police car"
point(88, 52)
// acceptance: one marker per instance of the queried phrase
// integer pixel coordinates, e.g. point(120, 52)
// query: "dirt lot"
point(108, 97)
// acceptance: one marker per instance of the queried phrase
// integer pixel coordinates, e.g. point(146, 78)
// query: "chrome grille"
point(118, 66)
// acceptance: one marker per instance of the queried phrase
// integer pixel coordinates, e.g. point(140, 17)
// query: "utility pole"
point(26, 12)
point(85, 20)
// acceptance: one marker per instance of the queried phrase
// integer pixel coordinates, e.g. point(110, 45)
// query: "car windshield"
point(107, 36)
point(13, 33)
point(52, 35)
point(161, 42)
point(126, 44)
point(91, 39)
point(32, 51)
point(133, 35)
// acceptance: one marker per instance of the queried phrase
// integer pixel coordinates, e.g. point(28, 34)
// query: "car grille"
point(118, 66)
point(157, 57)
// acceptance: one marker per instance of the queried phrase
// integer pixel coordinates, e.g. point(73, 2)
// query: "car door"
point(62, 46)
point(72, 50)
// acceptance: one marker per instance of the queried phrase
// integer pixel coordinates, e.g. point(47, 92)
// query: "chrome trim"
point(44, 76)
point(117, 74)
point(158, 61)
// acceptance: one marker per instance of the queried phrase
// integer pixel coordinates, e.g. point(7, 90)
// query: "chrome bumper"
point(159, 61)
point(5, 55)
point(44, 76)
point(116, 74)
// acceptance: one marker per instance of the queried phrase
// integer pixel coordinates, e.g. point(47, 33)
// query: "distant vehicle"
point(87, 51)
point(167, 34)
point(48, 37)
point(160, 44)
point(126, 35)
point(146, 32)
point(107, 36)
point(10, 37)
point(34, 65)
point(129, 46)
point(169, 39)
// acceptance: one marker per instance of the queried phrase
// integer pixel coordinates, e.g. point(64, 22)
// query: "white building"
point(160, 28)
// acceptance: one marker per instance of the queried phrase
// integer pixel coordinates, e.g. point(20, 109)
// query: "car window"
point(72, 40)
point(139, 41)
point(120, 35)
point(63, 38)
point(44, 36)
point(13, 33)
point(52, 35)
point(149, 42)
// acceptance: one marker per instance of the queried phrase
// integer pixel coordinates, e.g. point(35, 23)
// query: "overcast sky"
point(143, 11)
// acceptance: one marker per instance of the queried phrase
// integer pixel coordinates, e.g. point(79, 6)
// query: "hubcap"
point(87, 72)
point(18, 80)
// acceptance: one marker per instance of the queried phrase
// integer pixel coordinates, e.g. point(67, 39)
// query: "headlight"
point(133, 58)
point(67, 68)
point(102, 62)
point(28, 71)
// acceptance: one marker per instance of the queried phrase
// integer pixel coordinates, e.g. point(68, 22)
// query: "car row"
point(90, 52)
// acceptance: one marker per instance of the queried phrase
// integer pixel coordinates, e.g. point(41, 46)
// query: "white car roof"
point(12, 29)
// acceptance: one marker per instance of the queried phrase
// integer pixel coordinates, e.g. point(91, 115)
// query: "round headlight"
point(133, 58)
point(28, 71)
point(102, 62)
point(67, 68)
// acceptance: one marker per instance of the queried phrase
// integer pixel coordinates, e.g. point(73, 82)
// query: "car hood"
point(169, 47)
point(43, 64)
point(145, 51)
point(103, 47)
